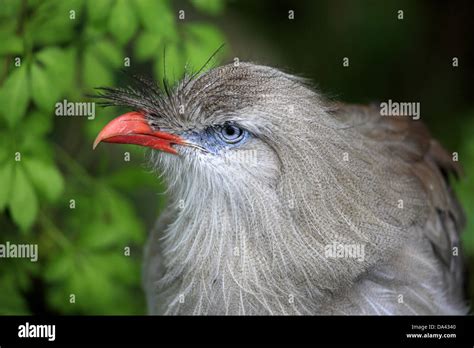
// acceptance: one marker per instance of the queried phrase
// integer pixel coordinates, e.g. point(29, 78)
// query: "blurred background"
point(90, 212)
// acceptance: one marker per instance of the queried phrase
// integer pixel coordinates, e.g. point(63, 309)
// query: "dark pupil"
point(230, 131)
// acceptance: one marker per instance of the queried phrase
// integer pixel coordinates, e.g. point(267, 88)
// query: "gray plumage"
point(247, 227)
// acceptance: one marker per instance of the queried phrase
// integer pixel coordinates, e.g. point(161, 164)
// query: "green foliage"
point(6, 178)
point(23, 201)
point(122, 21)
point(465, 186)
point(11, 301)
point(46, 178)
point(212, 7)
point(56, 192)
point(465, 191)
point(14, 96)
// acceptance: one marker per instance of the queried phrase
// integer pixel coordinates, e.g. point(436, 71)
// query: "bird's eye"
point(231, 134)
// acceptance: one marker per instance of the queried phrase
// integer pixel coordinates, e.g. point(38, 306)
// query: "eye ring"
point(230, 133)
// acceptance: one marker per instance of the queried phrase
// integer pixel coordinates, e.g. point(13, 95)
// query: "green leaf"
point(122, 21)
point(9, 8)
point(99, 281)
point(131, 178)
point(59, 65)
point(8, 25)
point(36, 146)
point(465, 186)
point(11, 44)
point(157, 17)
point(98, 11)
point(94, 266)
point(6, 176)
point(44, 89)
point(108, 53)
point(202, 40)
point(212, 7)
point(51, 22)
point(46, 178)
point(6, 142)
point(95, 72)
point(11, 299)
point(38, 124)
point(55, 31)
point(60, 266)
point(23, 202)
point(91, 33)
point(147, 45)
point(33, 3)
point(174, 64)
point(112, 222)
point(14, 95)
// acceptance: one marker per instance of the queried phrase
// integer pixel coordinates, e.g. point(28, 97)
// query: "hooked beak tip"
point(96, 142)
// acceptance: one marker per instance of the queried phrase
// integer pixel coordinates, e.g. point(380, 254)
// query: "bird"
point(283, 201)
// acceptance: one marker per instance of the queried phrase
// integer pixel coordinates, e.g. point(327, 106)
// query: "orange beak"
point(133, 128)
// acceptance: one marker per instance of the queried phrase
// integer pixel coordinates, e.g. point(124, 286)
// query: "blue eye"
point(231, 134)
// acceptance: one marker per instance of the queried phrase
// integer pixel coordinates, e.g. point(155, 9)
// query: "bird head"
point(228, 127)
